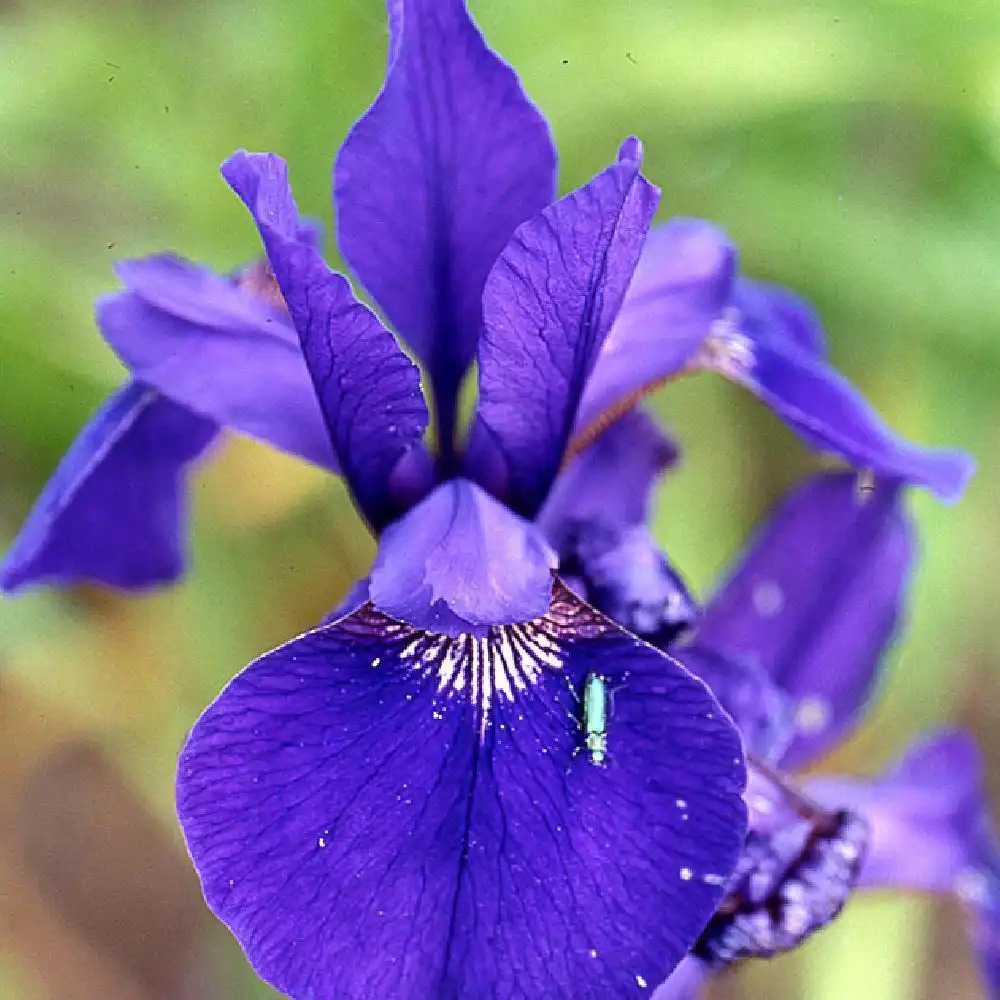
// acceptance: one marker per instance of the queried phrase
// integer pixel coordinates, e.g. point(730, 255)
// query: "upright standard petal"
point(377, 811)
point(549, 303)
point(822, 406)
point(368, 389)
point(816, 599)
point(681, 286)
point(223, 348)
point(114, 509)
point(460, 563)
point(434, 179)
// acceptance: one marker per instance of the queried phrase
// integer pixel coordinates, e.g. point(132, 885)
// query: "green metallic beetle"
point(595, 717)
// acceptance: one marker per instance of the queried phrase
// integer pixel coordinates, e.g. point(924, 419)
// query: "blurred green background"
point(851, 149)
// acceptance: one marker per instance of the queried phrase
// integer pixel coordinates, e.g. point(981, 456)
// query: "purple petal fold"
point(381, 812)
point(434, 179)
point(368, 389)
point(224, 349)
point(460, 562)
point(932, 831)
point(815, 600)
point(774, 313)
point(686, 310)
point(927, 815)
point(681, 285)
point(595, 518)
point(548, 305)
point(114, 510)
point(763, 713)
point(822, 406)
point(611, 481)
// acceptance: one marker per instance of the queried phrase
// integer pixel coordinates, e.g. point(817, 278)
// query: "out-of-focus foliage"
point(852, 150)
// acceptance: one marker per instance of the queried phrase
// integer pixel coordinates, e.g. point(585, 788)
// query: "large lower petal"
point(114, 510)
point(368, 389)
point(548, 305)
point(223, 349)
point(381, 812)
point(434, 179)
point(681, 285)
point(823, 408)
point(815, 600)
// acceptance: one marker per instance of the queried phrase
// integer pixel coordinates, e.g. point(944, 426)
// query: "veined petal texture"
point(369, 391)
point(549, 303)
point(377, 811)
point(433, 180)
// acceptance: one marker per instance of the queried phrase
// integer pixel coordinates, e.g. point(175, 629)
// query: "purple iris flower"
point(406, 801)
point(791, 644)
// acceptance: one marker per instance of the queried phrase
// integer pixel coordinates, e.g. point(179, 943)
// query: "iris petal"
point(368, 389)
point(931, 830)
point(595, 517)
point(460, 562)
point(114, 509)
point(925, 814)
point(611, 481)
point(816, 599)
point(218, 349)
point(434, 179)
point(681, 285)
point(548, 305)
point(377, 811)
point(824, 409)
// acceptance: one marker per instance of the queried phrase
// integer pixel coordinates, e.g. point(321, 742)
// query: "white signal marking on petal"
point(727, 350)
point(505, 663)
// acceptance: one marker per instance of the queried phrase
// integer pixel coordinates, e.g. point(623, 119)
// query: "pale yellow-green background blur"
point(851, 148)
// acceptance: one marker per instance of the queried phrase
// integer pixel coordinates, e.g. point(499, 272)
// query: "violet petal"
point(114, 509)
point(926, 814)
point(681, 285)
point(548, 305)
point(460, 562)
point(815, 600)
point(823, 408)
point(433, 180)
point(772, 312)
point(763, 713)
point(376, 811)
point(218, 349)
point(368, 389)
point(610, 482)
point(931, 831)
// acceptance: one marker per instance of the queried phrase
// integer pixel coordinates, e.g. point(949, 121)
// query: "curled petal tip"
point(631, 150)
